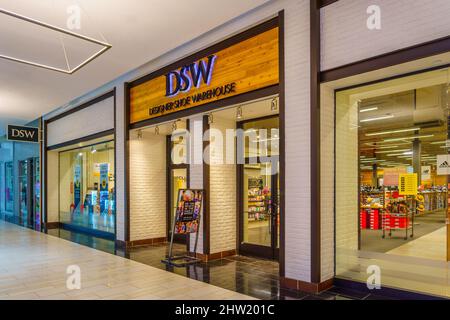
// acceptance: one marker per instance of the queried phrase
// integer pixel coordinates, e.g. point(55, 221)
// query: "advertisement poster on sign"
point(104, 194)
point(189, 208)
point(426, 173)
point(77, 187)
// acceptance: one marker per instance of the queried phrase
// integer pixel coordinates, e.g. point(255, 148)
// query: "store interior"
point(86, 187)
point(158, 164)
point(402, 128)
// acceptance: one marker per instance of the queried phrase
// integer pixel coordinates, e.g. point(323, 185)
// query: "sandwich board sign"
point(187, 221)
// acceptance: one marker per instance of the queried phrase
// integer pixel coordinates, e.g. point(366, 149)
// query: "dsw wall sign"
point(23, 134)
point(246, 66)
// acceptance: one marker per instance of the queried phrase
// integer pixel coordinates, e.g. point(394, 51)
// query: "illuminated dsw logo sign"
point(191, 75)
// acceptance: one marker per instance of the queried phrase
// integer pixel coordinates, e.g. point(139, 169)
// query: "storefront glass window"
point(87, 188)
point(392, 181)
point(37, 191)
point(23, 191)
point(9, 187)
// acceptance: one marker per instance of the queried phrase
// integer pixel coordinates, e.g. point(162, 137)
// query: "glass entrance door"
point(258, 184)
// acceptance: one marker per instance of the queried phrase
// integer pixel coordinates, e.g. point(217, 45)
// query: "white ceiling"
point(138, 30)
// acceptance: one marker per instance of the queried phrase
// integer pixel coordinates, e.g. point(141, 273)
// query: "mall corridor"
point(34, 265)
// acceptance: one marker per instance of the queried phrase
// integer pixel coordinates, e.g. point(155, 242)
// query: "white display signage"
point(443, 164)
point(97, 167)
point(426, 173)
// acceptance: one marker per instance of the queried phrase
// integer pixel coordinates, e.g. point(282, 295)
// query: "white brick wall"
point(404, 23)
point(148, 199)
point(222, 192)
point(346, 177)
point(120, 162)
point(297, 141)
point(196, 170)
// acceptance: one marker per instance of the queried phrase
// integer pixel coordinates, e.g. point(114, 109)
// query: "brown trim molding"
point(126, 202)
point(53, 225)
point(188, 182)
point(140, 243)
point(315, 143)
point(115, 161)
point(324, 3)
point(215, 256)
point(252, 95)
point(306, 286)
point(390, 59)
point(282, 146)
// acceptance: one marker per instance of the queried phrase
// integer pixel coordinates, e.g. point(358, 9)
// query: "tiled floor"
point(254, 277)
point(431, 246)
point(34, 265)
point(250, 276)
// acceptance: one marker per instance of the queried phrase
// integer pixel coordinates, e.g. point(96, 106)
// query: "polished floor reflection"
point(256, 278)
point(35, 265)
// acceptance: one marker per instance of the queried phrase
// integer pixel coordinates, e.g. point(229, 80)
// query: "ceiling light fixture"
point(396, 154)
point(388, 116)
point(390, 132)
point(239, 113)
point(368, 109)
point(157, 130)
point(390, 151)
point(409, 138)
point(274, 105)
point(106, 46)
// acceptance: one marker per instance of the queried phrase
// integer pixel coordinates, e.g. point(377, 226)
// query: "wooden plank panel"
point(249, 65)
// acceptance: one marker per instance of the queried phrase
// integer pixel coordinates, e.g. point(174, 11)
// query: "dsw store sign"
point(23, 134)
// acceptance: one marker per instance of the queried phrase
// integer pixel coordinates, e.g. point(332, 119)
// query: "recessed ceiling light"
point(388, 116)
point(396, 154)
point(390, 132)
point(409, 138)
point(440, 142)
point(368, 109)
point(390, 151)
point(69, 70)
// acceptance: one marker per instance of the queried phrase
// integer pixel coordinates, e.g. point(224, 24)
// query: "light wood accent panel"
point(251, 64)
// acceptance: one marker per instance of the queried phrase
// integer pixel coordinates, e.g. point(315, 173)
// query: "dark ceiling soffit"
point(397, 57)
